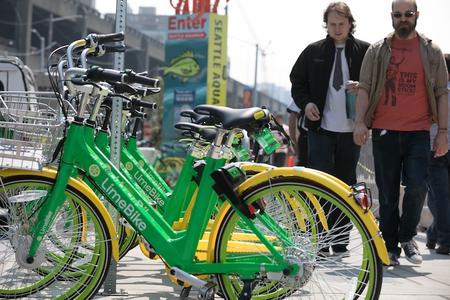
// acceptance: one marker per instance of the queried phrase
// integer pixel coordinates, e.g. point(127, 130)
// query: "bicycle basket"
point(31, 126)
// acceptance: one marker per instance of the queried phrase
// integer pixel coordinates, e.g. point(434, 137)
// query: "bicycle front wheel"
point(74, 255)
point(292, 209)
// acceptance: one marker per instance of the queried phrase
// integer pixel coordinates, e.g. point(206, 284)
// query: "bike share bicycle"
point(257, 248)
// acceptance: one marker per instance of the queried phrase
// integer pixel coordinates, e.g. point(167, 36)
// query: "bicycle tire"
point(87, 244)
point(130, 240)
point(364, 265)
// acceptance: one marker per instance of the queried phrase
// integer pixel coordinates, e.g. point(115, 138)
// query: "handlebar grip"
point(151, 82)
point(136, 78)
point(110, 37)
point(99, 74)
point(114, 48)
point(145, 104)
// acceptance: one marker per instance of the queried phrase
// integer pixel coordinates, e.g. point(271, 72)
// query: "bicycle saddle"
point(245, 118)
point(197, 118)
point(208, 133)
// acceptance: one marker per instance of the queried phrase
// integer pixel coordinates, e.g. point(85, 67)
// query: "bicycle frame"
point(79, 153)
point(131, 146)
point(172, 205)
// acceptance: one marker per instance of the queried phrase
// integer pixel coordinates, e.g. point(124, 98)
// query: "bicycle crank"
point(206, 289)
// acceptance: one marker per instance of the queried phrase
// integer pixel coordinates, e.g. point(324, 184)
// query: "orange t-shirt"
point(403, 105)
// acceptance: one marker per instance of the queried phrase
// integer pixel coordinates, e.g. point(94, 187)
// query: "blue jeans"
point(439, 200)
point(400, 156)
point(334, 153)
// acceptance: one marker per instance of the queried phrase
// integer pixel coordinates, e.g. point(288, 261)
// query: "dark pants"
point(439, 199)
point(334, 153)
point(302, 146)
point(400, 156)
point(279, 159)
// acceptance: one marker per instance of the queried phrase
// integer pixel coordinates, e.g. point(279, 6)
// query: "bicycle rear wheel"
point(291, 204)
point(74, 255)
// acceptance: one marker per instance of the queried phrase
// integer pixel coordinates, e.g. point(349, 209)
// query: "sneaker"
point(411, 252)
point(443, 249)
point(393, 259)
point(342, 254)
point(323, 254)
point(431, 245)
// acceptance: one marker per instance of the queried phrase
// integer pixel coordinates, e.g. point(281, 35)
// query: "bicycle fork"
point(56, 198)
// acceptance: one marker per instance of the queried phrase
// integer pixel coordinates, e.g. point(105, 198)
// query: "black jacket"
point(311, 73)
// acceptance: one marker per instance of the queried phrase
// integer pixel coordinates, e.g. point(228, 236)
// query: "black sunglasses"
point(408, 14)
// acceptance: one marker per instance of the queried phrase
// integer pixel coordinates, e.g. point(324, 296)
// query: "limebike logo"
point(150, 190)
point(126, 208)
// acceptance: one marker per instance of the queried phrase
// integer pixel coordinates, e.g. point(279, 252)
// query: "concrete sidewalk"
point(141, 278)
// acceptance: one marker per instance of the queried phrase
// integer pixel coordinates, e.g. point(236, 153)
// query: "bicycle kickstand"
point(185, 292)
point(246, 293)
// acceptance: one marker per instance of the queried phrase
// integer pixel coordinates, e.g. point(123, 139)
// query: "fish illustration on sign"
point(184, 66)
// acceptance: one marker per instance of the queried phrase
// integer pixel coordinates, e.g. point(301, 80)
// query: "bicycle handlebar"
point(114, 48)
point(139, 103)
point(106, 38)
point(138, 114)
point(99, 74)
point(134, 77)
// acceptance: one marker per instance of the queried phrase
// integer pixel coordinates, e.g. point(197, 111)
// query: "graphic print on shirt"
point(392, 76)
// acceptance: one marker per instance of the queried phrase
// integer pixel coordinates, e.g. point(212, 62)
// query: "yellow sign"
point(217, 60)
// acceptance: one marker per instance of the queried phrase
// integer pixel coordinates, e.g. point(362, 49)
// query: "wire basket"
point(31, 125)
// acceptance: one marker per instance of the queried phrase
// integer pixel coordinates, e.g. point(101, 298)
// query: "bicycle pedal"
point(185, 292)
point(206, 289)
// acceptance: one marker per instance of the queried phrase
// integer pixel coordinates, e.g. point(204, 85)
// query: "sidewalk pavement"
point(139, 278)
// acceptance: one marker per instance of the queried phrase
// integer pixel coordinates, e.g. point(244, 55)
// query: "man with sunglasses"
point(409, 68)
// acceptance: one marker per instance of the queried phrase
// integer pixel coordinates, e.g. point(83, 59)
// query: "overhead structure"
point(199, 7)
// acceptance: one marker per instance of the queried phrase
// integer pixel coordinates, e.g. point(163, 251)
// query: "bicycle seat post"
point(216, 148)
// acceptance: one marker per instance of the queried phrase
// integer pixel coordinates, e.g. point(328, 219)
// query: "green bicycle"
point(258, 247)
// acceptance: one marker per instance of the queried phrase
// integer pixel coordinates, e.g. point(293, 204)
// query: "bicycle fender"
point(82, 188)
point(253, 168)
point(331, 183)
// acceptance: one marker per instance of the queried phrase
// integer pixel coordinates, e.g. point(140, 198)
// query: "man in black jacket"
point(323, 78)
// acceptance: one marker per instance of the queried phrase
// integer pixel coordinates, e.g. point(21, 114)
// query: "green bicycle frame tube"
point(101, 147)
point(172, 207)
point(177, 248)
point(131, 146)
point(182, 193)
point(132, 168)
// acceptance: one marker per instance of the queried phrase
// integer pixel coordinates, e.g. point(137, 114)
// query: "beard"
point(404, 29)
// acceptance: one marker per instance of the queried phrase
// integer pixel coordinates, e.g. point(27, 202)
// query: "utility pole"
point(255, 83)
point(110, 284)
point(42, 39)
point(50, 28)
